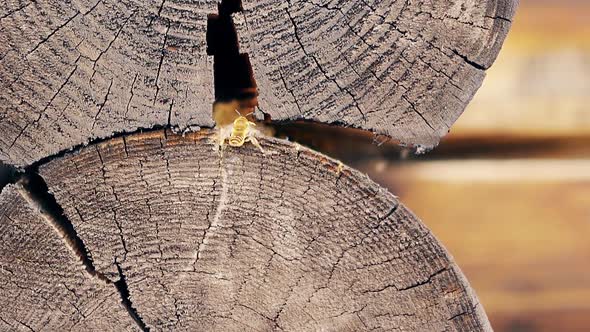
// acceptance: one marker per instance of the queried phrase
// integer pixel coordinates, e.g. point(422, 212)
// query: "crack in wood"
point(469, 61)
point(319, 66)
point(34, 190)
point(123, 290)
point(102, 52)
point(120, 134)
point(32, 187)
point(162, 55)
point(101, 106)
point(53, 32)
point(221, 204)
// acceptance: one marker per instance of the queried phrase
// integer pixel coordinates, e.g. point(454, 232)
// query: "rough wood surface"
point(244, 241)
point(43, 285)
point(73, 71)
point(406, 69)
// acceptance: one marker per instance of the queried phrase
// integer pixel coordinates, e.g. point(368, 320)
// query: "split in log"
point(43, 285)
point(244, 241)
point(72, 72)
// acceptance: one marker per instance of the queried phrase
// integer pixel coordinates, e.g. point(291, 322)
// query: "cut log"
point(405, 69)
point(71, 72)
point(288, 240)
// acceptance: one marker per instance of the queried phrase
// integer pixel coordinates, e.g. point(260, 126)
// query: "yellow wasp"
point(238, 132)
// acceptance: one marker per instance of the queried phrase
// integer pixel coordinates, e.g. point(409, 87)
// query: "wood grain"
point(245, 241)
point(43, 285)
point(75, 71)
point(405, 69)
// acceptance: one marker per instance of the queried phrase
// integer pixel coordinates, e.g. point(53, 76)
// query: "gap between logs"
point(232, 73)
point(233, 81)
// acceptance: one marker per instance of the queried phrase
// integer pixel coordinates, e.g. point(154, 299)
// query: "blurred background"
point(508, 190)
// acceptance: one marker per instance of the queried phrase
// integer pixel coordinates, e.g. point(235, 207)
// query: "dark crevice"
point(386, 216)
point(232, 72)
point(463, 313)
point(340, 141)
point(469, 61)
point(33, 188)
point(123, 289)
point(8, 175)
point(426, 281)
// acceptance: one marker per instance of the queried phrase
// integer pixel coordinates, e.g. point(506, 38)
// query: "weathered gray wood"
point(73, 71)
point(43, 285)
point(405, 69)
point(245, 241)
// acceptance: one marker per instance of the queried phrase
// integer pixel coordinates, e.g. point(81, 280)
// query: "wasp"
point(238, 132)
